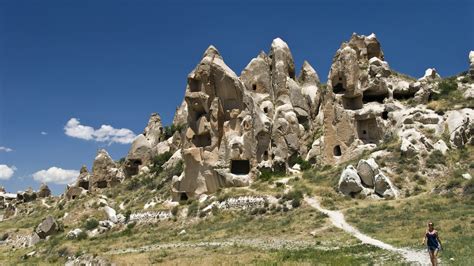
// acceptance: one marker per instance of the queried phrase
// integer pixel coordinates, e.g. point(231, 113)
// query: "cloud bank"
point(105, 133)
point(56, 175)
point(5, 149)
point(6, 172)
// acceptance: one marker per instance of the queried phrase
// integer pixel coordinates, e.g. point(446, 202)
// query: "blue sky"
point(115, 62)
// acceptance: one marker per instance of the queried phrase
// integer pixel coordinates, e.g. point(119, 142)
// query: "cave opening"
point(337, 150)
point(183, 196)
point(368, 131)
point(373, 98)
point(385, 115)
point(194, 85)
point(352, 103)
point(101, 184)
point(84, 184)
point(203, 140)
point(240, 167)
point(338, 88)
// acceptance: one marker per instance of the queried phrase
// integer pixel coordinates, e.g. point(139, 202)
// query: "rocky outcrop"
point(230, 128)
point(366, 180)
point(26, 196)
point(367, 170)
point(145, 146)
point(47, 227)
point(350, 183)
point(105, 172)
point(83, 180)
point(44, 191)
point(460, 125)
point(238, 125)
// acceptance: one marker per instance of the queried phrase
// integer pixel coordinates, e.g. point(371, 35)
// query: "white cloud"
point(56, 175)
point(105, 133)
point(44, 133)
point(6, 171)
point(5, 149)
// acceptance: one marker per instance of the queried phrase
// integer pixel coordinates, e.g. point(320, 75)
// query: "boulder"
point(367, 170)
point(383, 186)
point(74, 192)
point(44, 191)
point(460, 125)
point(430, 75)
point(47, 227)
point(74, 234)
point(111, 214)
point(27, 196)
point(349, 182)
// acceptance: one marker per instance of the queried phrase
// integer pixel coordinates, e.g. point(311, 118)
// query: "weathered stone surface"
point(349, 182)
point(367, 170)
point(74, 192)
point(383, 186)
point(105, 172)
point(461, 127)
point(47, 227)
point(111, 214)
point(74, 234)
point(44, 191)
point(27, 196)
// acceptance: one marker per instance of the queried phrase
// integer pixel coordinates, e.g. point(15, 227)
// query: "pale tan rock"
point(105, 172)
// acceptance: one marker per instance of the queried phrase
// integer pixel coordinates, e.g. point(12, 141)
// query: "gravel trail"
point(338, 220)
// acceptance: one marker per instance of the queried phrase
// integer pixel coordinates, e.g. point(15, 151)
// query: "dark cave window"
point(337, 150)
point(240, 167)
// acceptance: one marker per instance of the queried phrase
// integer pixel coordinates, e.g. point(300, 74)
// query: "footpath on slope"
point(338, 220)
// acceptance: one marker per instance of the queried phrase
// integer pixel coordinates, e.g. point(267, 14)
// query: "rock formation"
point(145, 146)
point(230, 128)
point(47, 227)
point(44, 191)
point(105, 172)
point(236, 126)
point(367, 179)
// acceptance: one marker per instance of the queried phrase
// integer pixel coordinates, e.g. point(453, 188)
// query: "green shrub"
point(168, 131)
point(453, 183)
point(293, 195)
point(175, 210)
point(81, 236)
point(305, 165)
point(91, 224)
point(436, 157)
point(158, 162)
point(193, 209)
point(295, 203)
point(127, 215)
point(468, 188)
point(445, 87)
point(267, 174)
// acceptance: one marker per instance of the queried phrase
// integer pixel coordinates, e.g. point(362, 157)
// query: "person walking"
point(433, 243)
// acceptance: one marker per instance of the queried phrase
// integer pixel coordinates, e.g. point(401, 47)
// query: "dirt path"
point(338, 220)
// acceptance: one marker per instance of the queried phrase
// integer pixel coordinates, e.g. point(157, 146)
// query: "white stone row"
point(150, 217)
point(243, 202)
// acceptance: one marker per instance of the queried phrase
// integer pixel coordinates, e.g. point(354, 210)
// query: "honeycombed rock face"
point(105, 172)
point(238, 125)
point(230, 128)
